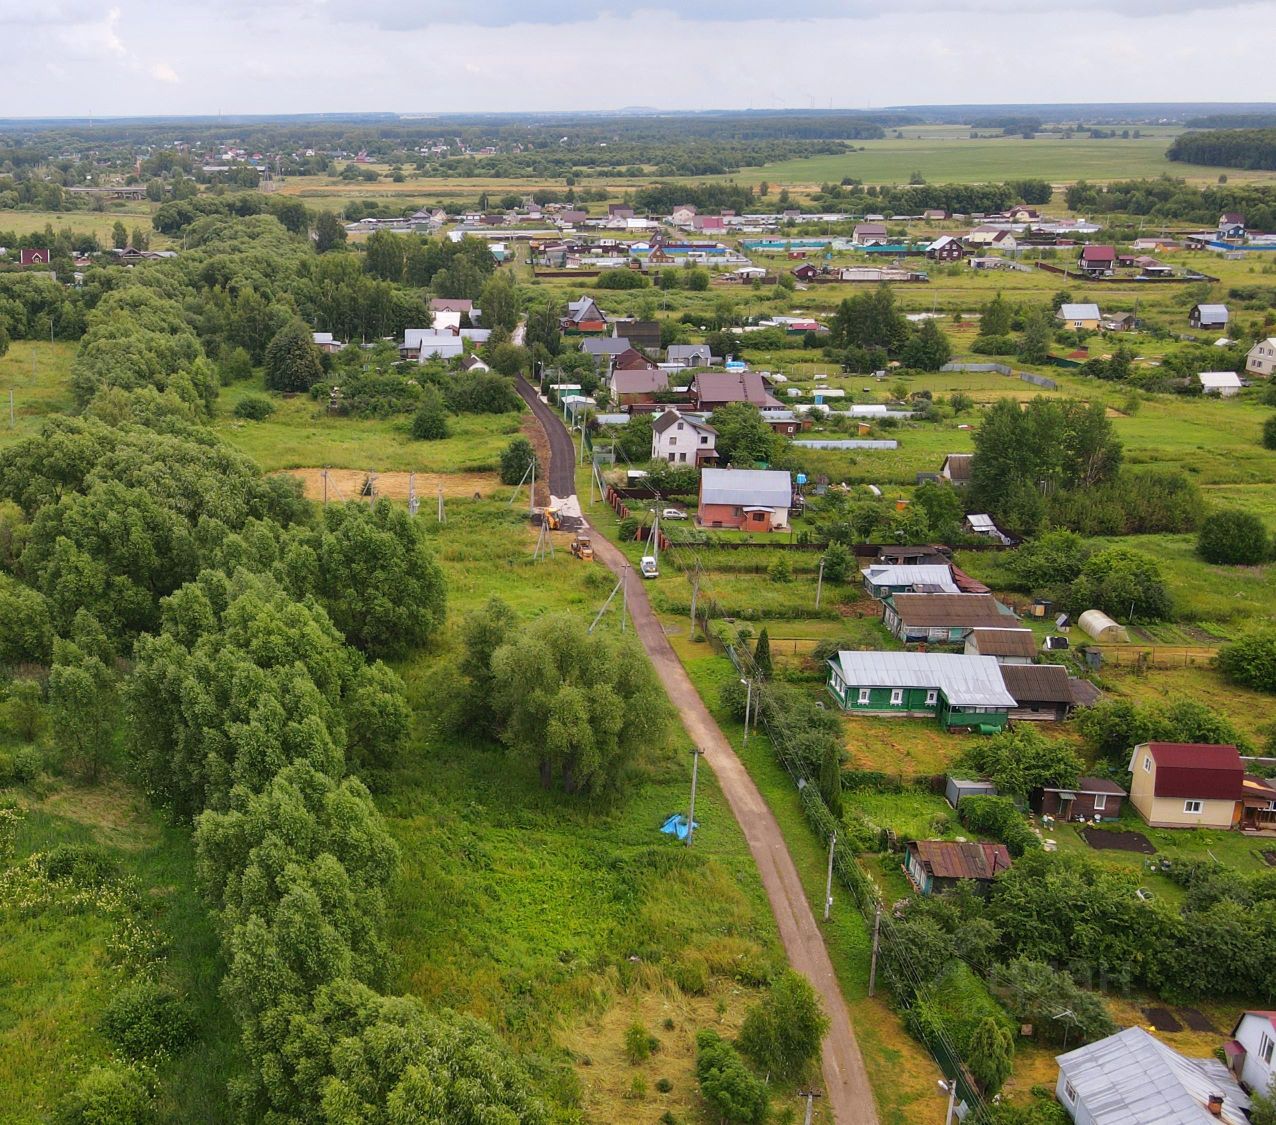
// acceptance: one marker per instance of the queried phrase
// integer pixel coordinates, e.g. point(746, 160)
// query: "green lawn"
point(99, 223)
point(39, 376)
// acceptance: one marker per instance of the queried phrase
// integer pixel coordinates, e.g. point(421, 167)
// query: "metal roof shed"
point(955, 788)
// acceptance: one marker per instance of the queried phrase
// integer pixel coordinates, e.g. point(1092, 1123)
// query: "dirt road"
point(846, 1084)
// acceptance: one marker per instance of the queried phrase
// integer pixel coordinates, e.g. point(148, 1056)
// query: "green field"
point(99, 223)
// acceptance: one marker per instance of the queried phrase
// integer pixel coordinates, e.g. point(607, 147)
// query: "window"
point(1265, 1047)
point(704, 439)
point(931, 697)
point(897, 696)
point(1147, 763)
point(1100, 801)
point(679, 427)
point(865, 697)
point(682, 456)
point(1069, 1092)
point(671, 456)
point(1191, 806)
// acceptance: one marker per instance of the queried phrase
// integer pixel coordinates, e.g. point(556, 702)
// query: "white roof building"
point(966, 681)
point(935, 578)
point(766, 488)
point(1225, 383)
point(1078, 312)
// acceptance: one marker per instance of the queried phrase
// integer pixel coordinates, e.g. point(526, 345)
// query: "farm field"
point(86, 222)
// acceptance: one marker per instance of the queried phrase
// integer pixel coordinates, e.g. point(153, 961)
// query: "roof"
point(1098, 254)
point(1219, 379)
point(733, 386)
point(1038, 683)
point(577, 309)
point(638, 381)
point(1212, 312)
point(1131, 1078)
point(688, 351)
point(605, 345)
point(1261, 1013)
point(1199, 770)
point(451, 304)
point(631, 359)
point(884, 574)
point(1079, 312)
point(870, 228)
point(669, 417)
point(755, 487)
point(951, 859)
point(1089, 785)
point(1005, 642)
point(958, 465)
point(948, 609)
point(967, 681)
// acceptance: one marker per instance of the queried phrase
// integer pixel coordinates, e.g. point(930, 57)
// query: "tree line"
point(1227, 148)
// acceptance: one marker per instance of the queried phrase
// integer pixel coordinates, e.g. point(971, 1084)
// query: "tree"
point(516, 459)
point(995, 317)
point(1269, 433)
point(1035, 993)
point(1233, 538)
point(378, 580)
point(762, 653)
point(725, 1082)
point(483, 632)
point(869, 320)
point(831, 779)
point(782, 1033)
point(1050, 561)
point(928, 350)
point(141, 240)
point(293, 362)
point(990, 1054)
point(499, 302)
point(1124, 584)
point(583, 707)
point(1021, 760)
point(26, 634)
point(1263, 1106)
point(384, 255)
point(839, 563)
point(119, 235)
point(430, 422)
point(743, 434)
point(82, 707)
point(330, 232)
point(1035, 345)
point(1251, 660)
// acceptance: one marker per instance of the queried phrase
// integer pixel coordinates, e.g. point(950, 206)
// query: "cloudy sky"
point(80, 57)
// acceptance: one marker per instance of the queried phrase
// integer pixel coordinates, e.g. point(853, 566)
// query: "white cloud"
point(162, 72)
point(93, 39)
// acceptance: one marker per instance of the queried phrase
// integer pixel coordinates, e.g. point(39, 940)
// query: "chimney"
point(1215, 1105)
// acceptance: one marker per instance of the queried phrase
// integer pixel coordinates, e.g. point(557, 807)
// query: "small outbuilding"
point(1225, 384)
point(1092, 798)
point(1042, 692)
point(1102, 628)
point(939, 865)
point(955, 788)
point(1208, 316)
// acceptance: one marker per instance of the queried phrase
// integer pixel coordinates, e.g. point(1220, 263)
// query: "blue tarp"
point(676, 825)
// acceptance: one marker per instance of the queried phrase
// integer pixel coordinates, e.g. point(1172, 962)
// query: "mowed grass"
point(57, 976)
point(39, 375)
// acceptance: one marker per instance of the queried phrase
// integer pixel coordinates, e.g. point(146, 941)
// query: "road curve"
point(846, 1084)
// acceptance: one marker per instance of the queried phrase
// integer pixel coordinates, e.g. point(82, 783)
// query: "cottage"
point(1231, 225)
point(783, 422)
point(1132, 1078)
point(934, 866)
point(689, 355)
point(748, 499)
point(473, 363)
point(1042, 692)
point(1096, 260)
point(806, 272)
point(683, 215)
point(870, 234)
point(1225, 384)
point(959, 691)
point(683, 438)
point(956, 468)
point(638, 386)
point(946, 248)
point(631, 359)
point(1260, 360)
point(583, 315)
point(1092, 798)
point(1085, 316)
point(941, 618)
point(452, 304)
point(881, 581)
point(1249, 1052)
point(1208, 316)
point(1005, 646)
point(713, 389)
point(326, 342)
point(423, 344)
point(1187, 785)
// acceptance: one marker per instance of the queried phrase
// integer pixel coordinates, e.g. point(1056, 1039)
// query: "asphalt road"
point(846, 1085)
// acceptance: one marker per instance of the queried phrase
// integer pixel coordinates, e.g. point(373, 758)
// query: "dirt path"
point(846, 1084)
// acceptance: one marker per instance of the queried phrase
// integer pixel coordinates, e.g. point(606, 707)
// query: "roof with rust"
point(953, 859)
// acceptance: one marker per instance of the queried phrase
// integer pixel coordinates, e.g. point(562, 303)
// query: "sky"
point(85, 57)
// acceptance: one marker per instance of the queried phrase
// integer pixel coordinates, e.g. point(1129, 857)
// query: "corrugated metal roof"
point(956, 610)
point(1201, 771)
point(1079, 312)
point(1046, 683)
point(952, 859)
point(1132, 1078)
point(1005, 642)
point(911, 574)
point(966, 681)
point(772, 488)
point(1212, 312)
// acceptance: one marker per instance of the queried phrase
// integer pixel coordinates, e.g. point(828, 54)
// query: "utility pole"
point(325, 486)
point(695, 593)
point(442, 514)
point(810, 1096)
point(828, 881)
point(819, 583)
point(531, 495)
point(748, 702)
point(624, 595)
point(413, 503)
point(691, 813)
point(372, 490)
point(877, 936)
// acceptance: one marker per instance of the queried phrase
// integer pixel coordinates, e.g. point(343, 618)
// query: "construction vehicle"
point(583, 547)
point(552, 519)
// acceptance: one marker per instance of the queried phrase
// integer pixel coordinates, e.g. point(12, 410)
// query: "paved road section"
point(846, 1084)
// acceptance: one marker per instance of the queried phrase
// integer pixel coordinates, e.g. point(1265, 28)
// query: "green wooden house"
point(958, 691)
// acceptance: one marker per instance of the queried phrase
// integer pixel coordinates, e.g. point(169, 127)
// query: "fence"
point(1154, 656)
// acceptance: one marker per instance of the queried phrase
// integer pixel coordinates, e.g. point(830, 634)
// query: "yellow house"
point(1187, 785)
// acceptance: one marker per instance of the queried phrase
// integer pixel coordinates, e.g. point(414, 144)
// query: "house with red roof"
point(1187, 784)
point(1097, 260)
point(1249, 1051)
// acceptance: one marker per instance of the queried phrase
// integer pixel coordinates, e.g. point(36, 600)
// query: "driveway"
point(846, 1084)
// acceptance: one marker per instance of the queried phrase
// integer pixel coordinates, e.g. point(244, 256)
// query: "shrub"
point(515, 459)
point(148, 1020)
point(1123, 583)
point(780, 570)
point(430, 422)
point(19, 766)
point(24, 709)
point(839, 562)
point(994, 345)
point(990, 1055)
point(254, 408)
point(782, 1033)
point(1035, 993)
point(1233, 539)
point(620, 279)
point(84, 865)
point(1269, 432)
point(664, 1085)
point(111, 1094)
point(639, 1044)
point(726, 1083)
point(1251, 660)
point(999, 818)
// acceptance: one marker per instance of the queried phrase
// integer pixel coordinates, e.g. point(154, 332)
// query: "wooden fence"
point(1154, 656)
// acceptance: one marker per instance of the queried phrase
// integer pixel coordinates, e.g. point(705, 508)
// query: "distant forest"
point(1253, 149)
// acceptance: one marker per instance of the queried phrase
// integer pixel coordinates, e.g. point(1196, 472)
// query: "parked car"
point(647, 566)
point(673, 514)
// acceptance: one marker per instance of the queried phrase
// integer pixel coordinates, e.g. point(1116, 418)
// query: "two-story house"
point(683, 439)
point(1187, 784)
point(1249, 1051)
point(1260, 360)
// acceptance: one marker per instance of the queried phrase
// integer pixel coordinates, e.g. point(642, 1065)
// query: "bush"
point(254, 408)
point(1269, 432)
point(1233, 538)
point(726, 1083)
point(994, 345)
point(782, 1033)
point(1035, 993)
point(620, 279)
point(111, 1094)
point(1124, 584)
point(639, 1044)
point(780, 570)
point(430, 422)
point(18, 767)
point(515, 460)
point(999, 818)
point(1251, 660)
point(839, 562)
point(84, 865)
point(148, 1020)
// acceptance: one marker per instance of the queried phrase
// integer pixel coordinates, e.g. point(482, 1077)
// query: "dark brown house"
point(1090, 797)
point(1042, 692)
